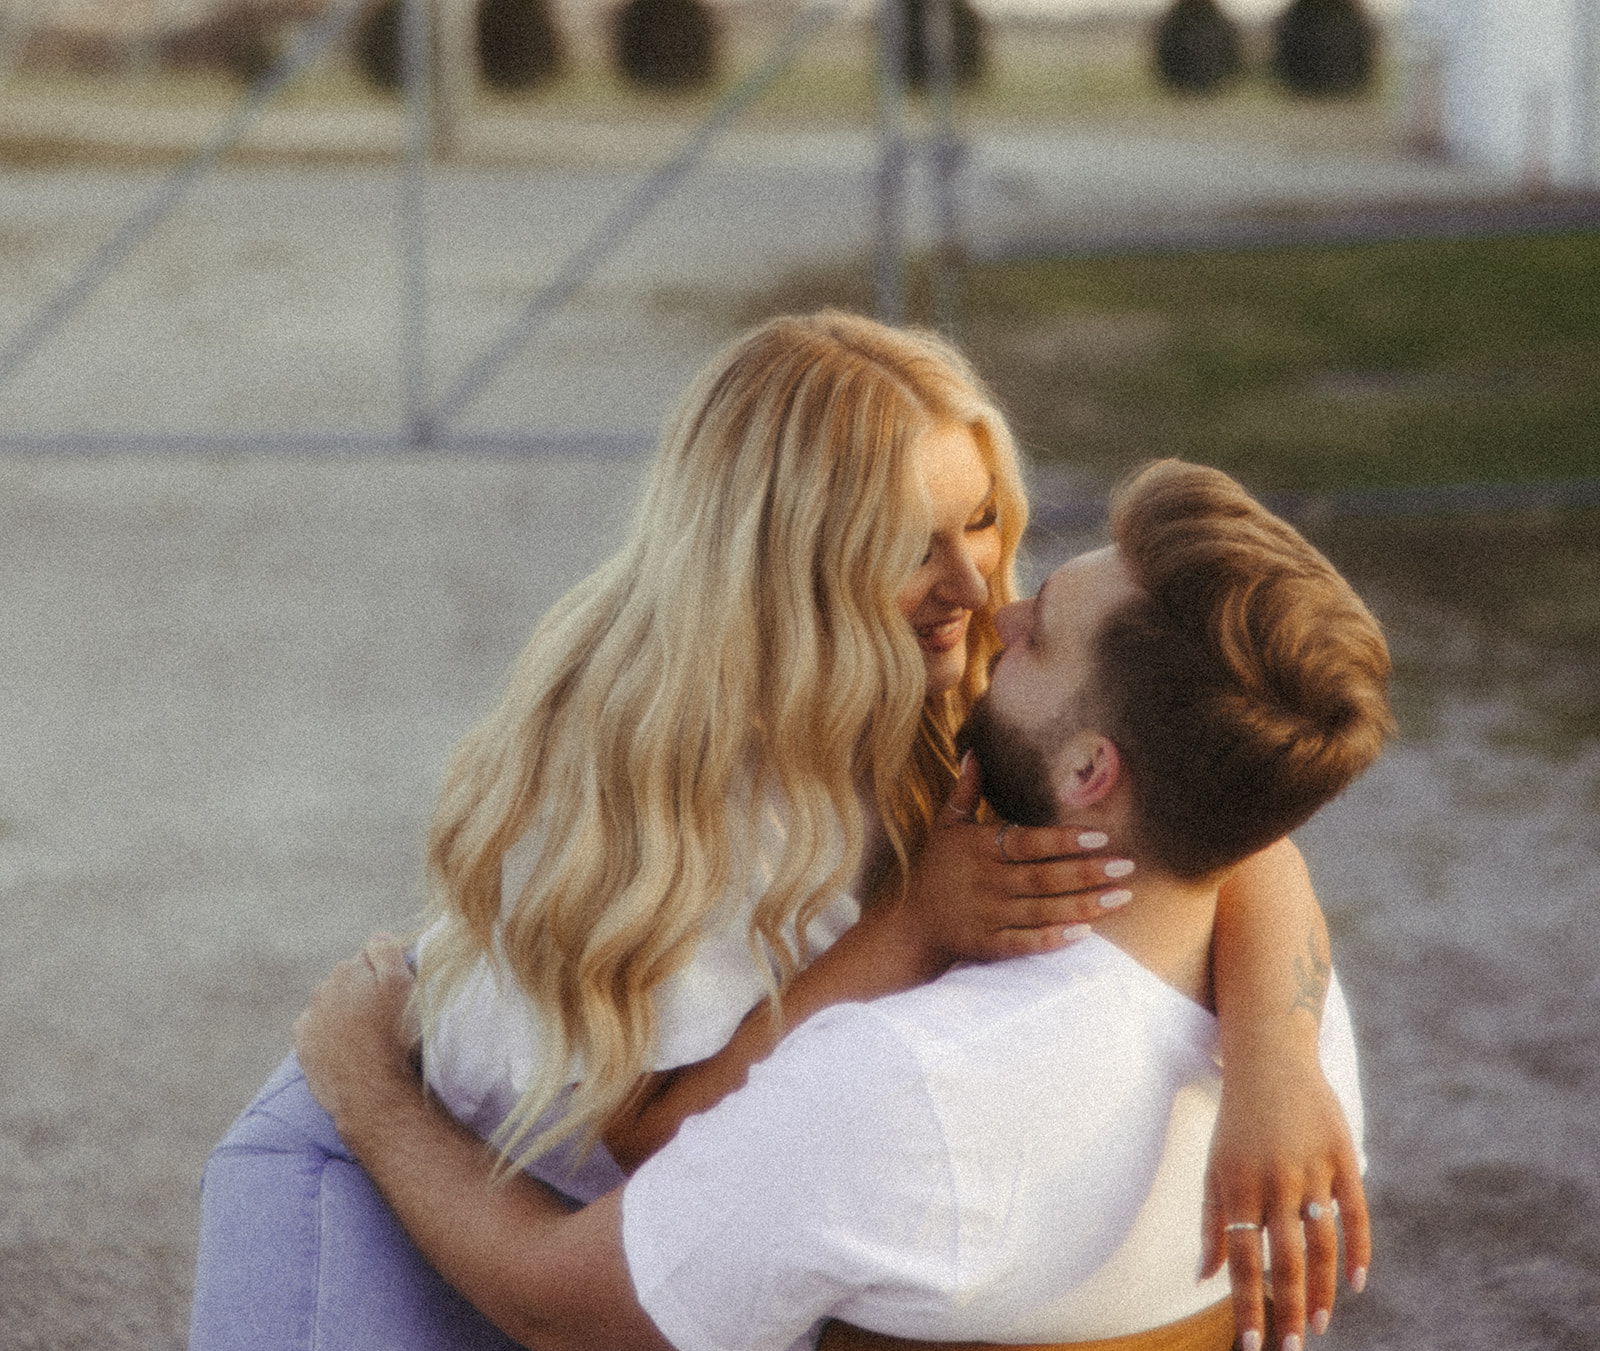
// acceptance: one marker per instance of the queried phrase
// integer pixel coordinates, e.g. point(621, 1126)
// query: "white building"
point(1511, 85)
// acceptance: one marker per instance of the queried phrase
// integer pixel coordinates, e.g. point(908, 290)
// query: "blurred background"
point(333, 334)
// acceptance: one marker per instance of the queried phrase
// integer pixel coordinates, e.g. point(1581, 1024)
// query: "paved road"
point(271, 301)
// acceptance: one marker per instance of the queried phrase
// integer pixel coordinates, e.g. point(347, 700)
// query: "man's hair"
point(1246, 686)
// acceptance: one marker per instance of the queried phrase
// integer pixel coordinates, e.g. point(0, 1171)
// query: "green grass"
point(1407, 363)
point(1307, 368)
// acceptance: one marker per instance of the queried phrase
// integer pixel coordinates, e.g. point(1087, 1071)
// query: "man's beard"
point(1016, 780)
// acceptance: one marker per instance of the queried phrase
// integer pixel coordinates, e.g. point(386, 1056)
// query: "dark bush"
point(378, 44)
point(1197, 47)
point(519, 44)
point(666, 44)
point(969, 44)
point(242, 39)
point(1324, 47)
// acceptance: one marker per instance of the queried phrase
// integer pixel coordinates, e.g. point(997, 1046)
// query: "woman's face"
point(963, 552)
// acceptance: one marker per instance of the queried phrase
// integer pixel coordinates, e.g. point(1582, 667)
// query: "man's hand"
point(1282, 1146)
point(550, 1279)
point(979, 893)
point(356, 1040)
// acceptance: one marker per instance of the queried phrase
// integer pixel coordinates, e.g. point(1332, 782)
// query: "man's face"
point(1036, 692)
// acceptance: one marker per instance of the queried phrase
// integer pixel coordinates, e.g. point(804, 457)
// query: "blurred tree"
point(969, 43)
point(667, 44)
point(1323, 48)
point(1196, 47)
point(519, 44)
point(243, 38)
point(378, 44)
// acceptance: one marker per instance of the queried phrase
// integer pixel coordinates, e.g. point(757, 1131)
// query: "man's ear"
point(1087, 769)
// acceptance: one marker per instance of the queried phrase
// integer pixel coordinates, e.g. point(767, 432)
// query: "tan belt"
point(1209, 1330)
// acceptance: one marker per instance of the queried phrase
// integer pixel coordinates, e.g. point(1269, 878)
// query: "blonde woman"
point(651, 858)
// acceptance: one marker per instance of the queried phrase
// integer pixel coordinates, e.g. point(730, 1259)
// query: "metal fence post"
point(416, 39)
point(940, 33)
point(1587, 78)
point(456, 55)
point(890, 266)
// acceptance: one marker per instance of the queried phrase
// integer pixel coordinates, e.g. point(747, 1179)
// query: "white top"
point(489, 1043)
point(1015, 1152)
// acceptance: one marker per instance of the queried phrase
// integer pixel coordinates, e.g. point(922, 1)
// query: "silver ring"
point(1316, 1210)
point(1240, 1226)
point(1000, 844)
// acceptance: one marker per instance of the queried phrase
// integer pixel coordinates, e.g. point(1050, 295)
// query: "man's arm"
point(1282, 1141)
point(551, 1279)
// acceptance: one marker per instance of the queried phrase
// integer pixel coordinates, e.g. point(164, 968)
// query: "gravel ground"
point(231, 687)
point(232, 684)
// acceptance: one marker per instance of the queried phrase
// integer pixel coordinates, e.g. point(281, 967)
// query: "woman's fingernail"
point(1250, 1340)
point(1093, 839)
point(1119, 867)
point(1320, 1321)
point(1292, 1342)
point(1112, 899)
point(1358, 1279)
point(1073, 932)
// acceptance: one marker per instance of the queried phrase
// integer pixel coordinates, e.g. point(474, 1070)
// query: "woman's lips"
point(944, 635)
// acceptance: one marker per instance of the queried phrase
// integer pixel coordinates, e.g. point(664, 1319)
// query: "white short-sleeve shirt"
point(489, 1044)
point(1015, 1152)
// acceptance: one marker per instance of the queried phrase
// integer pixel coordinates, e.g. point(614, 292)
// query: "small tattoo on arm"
point(1312, 968)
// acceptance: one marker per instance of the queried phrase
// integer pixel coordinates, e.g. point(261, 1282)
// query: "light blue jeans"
point(299, 1252)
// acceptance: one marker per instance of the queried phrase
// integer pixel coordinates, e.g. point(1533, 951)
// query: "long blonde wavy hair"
point(744, 647)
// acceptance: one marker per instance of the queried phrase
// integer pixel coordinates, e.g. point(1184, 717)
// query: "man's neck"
point(1167, 930)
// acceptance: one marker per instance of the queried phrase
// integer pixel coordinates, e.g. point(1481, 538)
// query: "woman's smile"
point(943, 635)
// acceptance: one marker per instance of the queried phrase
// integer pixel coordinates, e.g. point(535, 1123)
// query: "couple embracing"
point(826, 943)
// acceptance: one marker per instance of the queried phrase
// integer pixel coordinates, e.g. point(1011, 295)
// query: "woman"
point(651, 858)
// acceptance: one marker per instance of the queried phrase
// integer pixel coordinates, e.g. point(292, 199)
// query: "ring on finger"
point(1000, 844)
point(1240, 1227)
point(1317, 1210)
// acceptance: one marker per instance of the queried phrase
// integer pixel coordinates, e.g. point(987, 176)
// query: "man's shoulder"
point(1064, 1019)
point(1092, 978)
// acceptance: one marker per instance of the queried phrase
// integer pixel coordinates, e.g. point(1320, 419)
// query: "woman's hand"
point(1281, 1158)
point(357, 1039)
point(982, 892)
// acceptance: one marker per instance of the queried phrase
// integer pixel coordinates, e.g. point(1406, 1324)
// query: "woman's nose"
point(962, 582)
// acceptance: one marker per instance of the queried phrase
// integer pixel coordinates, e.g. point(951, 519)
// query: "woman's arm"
point(1281, 1141)
point(965, 900)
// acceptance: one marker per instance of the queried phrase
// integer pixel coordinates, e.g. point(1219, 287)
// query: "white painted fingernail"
point(1119, 867)
point(1093, 839)
point(1250, 1340)
point(1073, 932)
point(1112, 899)
point(1292, 1342)
point(1358, 1279)
point(1320, 1321)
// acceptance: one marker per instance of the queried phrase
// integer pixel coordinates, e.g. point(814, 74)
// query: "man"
point(1012, 1152)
